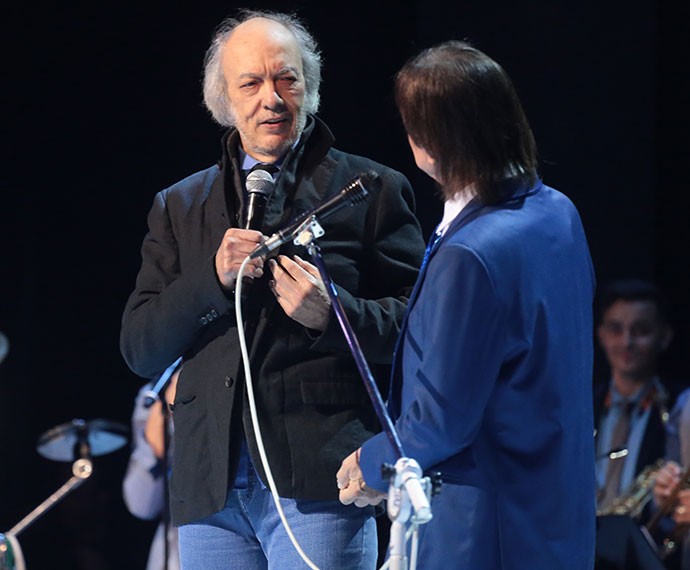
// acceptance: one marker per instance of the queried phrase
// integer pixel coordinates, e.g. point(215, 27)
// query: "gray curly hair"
point(215, 87)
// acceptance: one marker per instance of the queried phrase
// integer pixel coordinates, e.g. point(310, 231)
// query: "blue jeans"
point(248, 534)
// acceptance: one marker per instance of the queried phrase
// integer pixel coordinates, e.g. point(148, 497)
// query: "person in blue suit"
point(491, 384)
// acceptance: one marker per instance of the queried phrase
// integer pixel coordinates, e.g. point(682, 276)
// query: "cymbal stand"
point(82, 469)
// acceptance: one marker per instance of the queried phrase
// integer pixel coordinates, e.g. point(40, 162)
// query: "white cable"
point(255, 420)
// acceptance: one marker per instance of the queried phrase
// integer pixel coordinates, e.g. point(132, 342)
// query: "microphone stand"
point(409, 492)
point(158, 393)
point(159, 387)
point(165, 514)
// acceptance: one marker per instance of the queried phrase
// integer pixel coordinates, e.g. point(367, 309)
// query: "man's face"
point(632, 335)
point(262, 66)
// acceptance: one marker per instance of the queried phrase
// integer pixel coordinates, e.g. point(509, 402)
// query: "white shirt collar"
point(453, 206)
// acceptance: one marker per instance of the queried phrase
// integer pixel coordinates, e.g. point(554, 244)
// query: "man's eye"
point(641, 330)
point(613, 328)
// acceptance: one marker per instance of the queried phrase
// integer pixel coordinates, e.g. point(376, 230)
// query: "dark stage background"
point(104, 110)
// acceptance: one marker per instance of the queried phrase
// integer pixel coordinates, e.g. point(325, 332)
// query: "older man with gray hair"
point(262, 81)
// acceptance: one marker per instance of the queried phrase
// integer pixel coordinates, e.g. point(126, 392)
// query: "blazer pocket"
point(183, 401)
point(332, 392)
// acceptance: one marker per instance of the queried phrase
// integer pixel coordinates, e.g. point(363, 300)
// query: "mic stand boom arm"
point(408, 496)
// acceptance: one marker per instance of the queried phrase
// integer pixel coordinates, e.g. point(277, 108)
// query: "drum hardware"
point(80, 438)
point(11, 557)
point(77, 441)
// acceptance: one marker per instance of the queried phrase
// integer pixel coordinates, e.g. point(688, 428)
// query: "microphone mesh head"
point(361, 188)
point(260, 181)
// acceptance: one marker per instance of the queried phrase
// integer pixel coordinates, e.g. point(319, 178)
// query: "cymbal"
point(81, 438)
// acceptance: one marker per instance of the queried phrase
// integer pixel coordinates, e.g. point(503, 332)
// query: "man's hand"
point(237, 244)
point(353, 488)
point(664, 482)
point(298, 287)
point(681, 514)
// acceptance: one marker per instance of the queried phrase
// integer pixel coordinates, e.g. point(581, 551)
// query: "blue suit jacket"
point(492, 387)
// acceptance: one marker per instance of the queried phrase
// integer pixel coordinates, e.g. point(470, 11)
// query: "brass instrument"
point(633, 500)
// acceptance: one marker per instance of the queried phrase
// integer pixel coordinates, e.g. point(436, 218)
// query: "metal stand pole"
point(408, 496)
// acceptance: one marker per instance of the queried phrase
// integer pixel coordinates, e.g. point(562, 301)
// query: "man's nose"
point(627, 337)
point(271, 96)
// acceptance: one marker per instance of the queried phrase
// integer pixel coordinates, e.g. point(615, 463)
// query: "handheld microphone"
point(353, 193)
point(259, 185)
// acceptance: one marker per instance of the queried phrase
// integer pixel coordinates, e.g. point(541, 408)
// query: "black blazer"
point(312, 404)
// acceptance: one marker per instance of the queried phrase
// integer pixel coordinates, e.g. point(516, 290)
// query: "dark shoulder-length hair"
point(461, 107)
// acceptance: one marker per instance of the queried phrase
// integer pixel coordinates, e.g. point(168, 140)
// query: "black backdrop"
point(104, 110)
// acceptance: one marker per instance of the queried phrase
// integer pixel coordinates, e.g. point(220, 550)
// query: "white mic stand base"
point(397, 557)
point(408, 501)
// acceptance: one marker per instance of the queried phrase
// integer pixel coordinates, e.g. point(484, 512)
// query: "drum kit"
point(78, 442)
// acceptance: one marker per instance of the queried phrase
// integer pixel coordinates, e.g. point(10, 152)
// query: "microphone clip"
point(352, 194)
point(308, 231)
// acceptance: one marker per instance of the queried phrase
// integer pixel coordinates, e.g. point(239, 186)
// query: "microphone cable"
point(413, 530)
point(254, 416)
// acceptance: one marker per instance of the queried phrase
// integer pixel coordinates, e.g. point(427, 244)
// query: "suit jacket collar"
point(515, 192)
point(301, 160)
